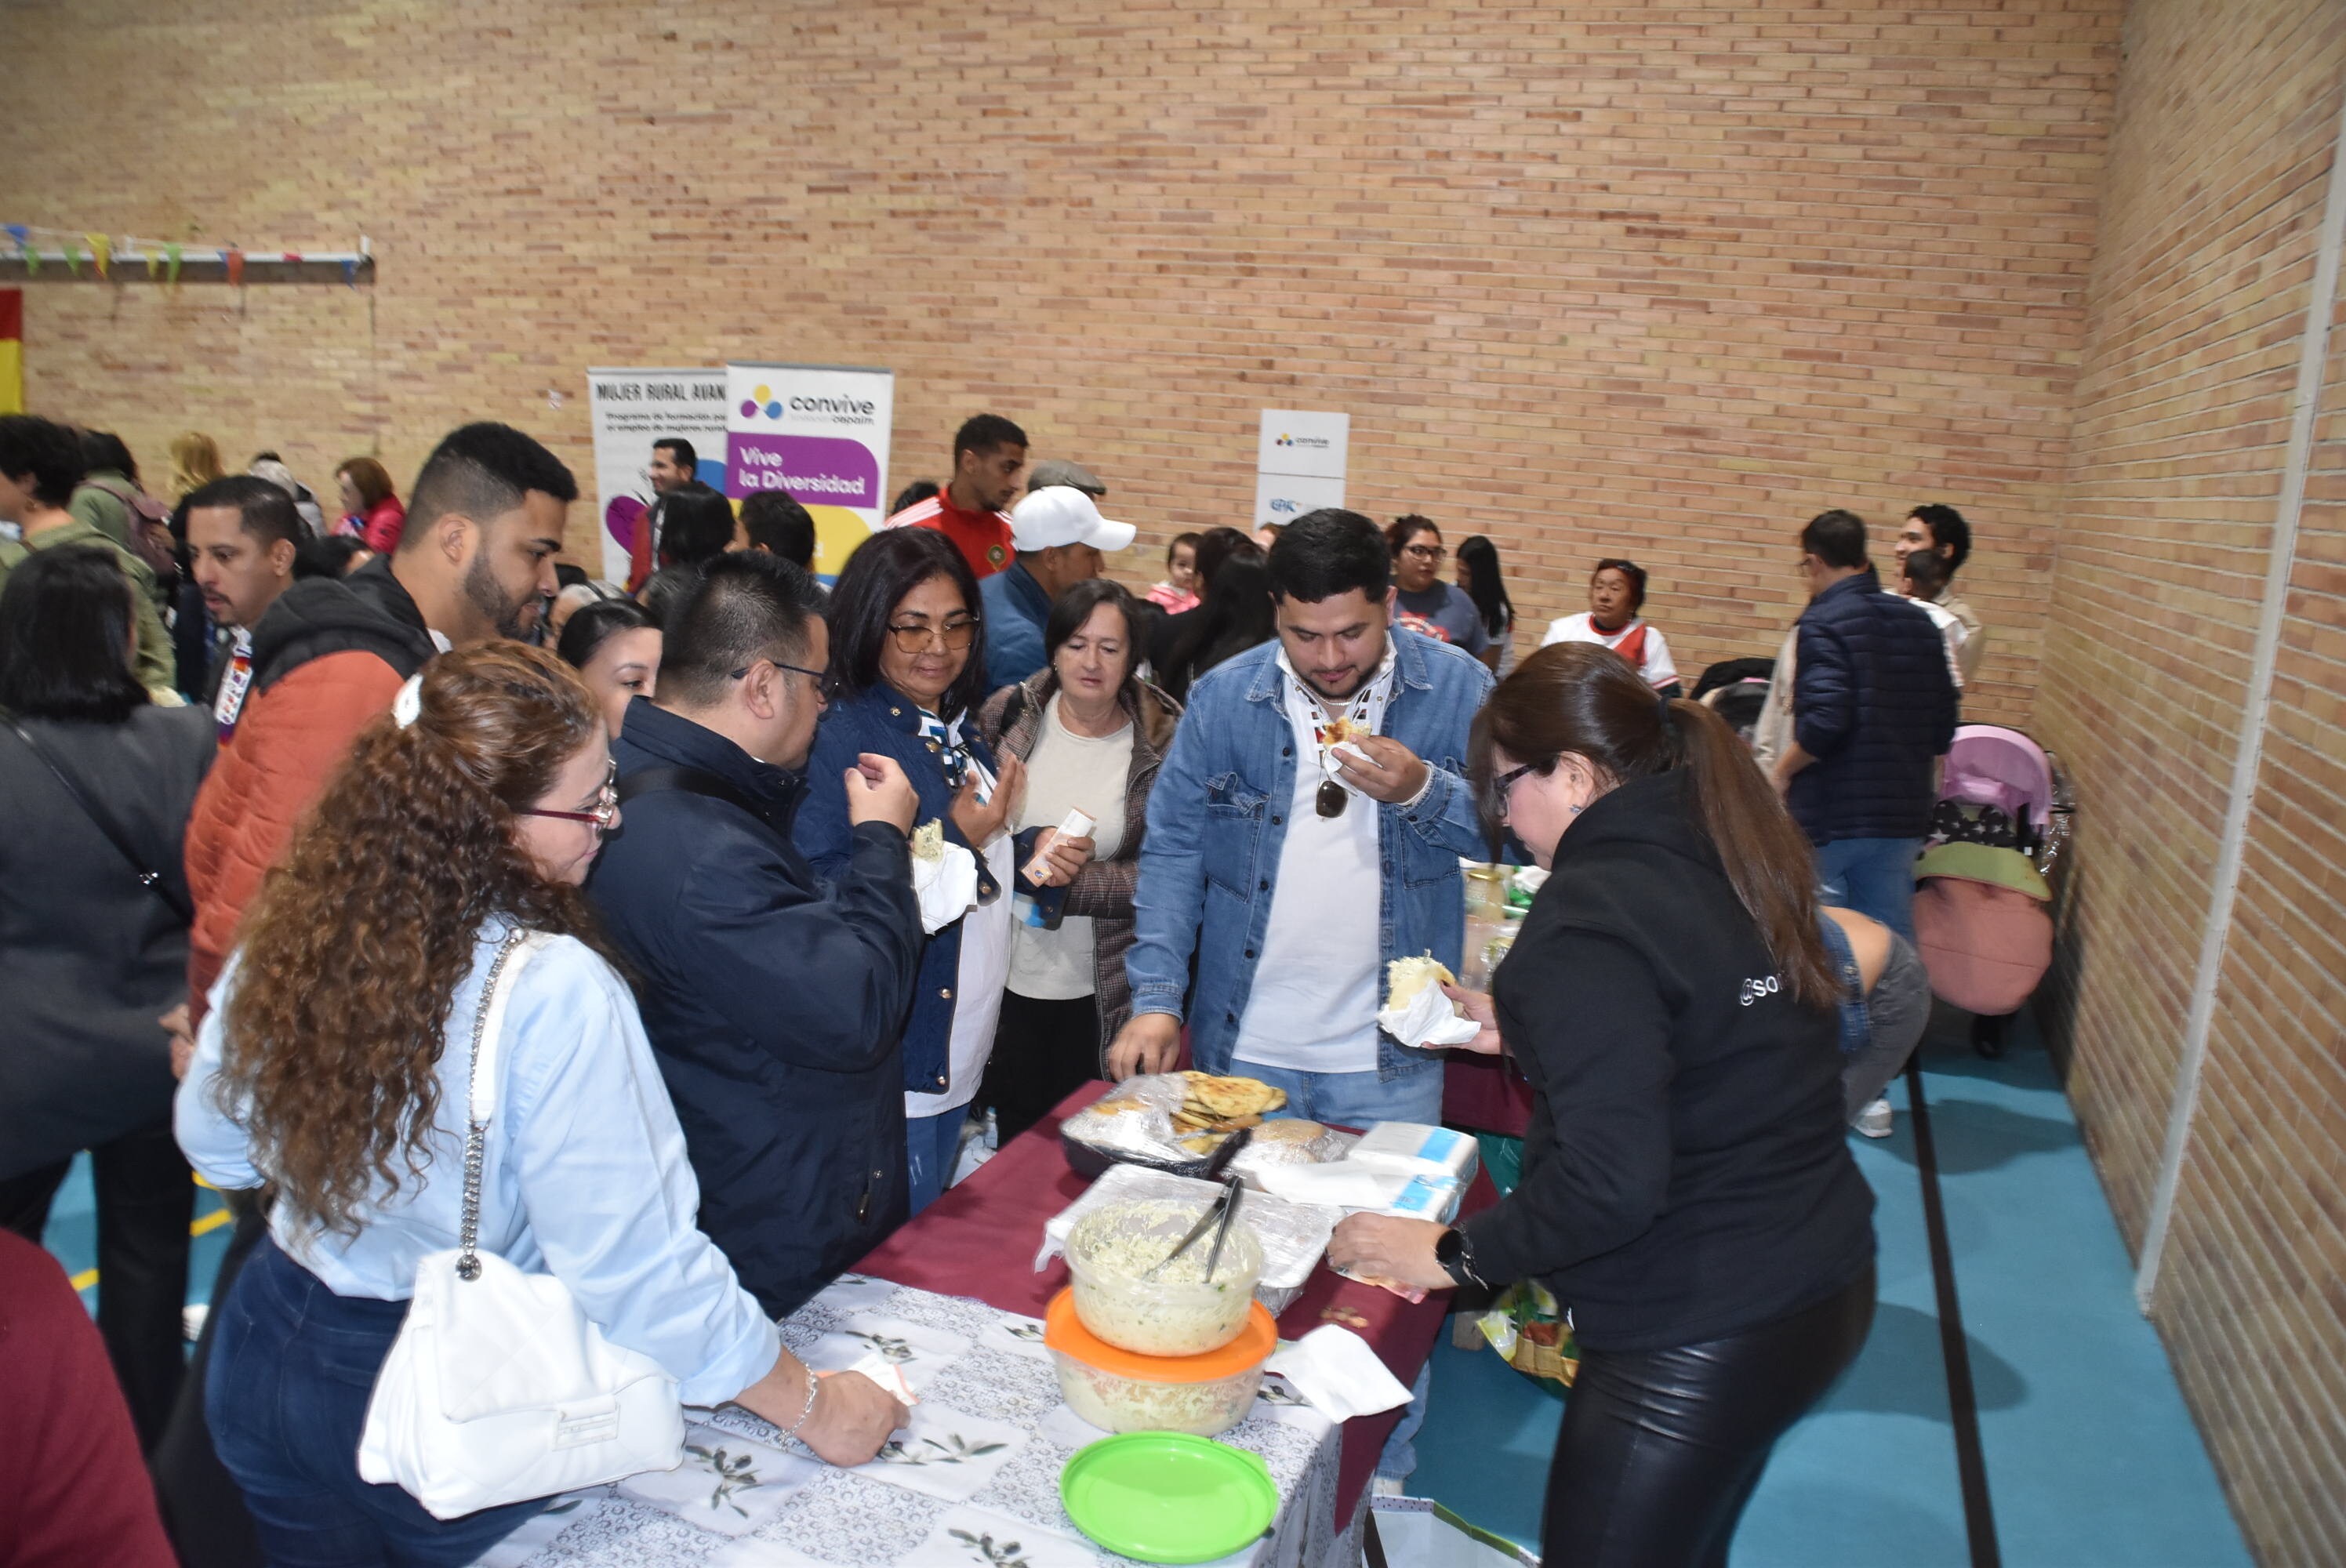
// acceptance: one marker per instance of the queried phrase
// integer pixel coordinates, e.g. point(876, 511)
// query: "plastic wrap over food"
point(1293, 1236)
point(1288, 1142)
point(1137, 1117)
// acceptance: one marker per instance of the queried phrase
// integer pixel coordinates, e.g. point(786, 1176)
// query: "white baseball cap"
point(1063, 514)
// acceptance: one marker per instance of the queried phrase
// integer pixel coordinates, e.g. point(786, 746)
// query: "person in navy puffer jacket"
point(1873, 709)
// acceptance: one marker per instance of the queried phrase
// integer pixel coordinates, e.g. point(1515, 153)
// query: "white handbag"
point(498, 1389)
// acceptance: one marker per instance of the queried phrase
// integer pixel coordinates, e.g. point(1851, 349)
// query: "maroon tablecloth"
point(980, 1239)
point(1485, 1094)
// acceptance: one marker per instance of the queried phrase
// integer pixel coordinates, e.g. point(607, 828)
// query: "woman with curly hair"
point(333, 1065)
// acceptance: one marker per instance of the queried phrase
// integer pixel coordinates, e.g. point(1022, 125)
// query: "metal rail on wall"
point(34, 254)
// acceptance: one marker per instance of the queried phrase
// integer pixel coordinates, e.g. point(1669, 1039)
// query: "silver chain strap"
point(476, 1134)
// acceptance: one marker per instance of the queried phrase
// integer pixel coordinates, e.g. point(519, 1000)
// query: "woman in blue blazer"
point(907, 673)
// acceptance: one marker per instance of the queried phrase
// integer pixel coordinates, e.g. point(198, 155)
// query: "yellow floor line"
point(204, 1226)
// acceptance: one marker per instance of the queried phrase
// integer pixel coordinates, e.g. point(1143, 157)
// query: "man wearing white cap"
point(1059, 536)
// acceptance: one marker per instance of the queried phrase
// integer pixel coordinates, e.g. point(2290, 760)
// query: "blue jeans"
point(1872, 876)
point(1354, 1099)
point(930, 1146)
point(293, 1366)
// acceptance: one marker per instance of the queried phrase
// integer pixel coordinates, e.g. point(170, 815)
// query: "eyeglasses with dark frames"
point(1425, 552)
point(952, 637)
point(1504, 783)
point(605, 815)
point(778, 663)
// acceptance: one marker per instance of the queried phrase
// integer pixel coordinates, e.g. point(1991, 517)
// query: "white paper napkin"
point(1430, 1019)
point(1334, 1368)
point(947, 888)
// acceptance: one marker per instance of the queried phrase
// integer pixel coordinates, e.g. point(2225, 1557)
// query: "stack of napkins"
point(1400, 1168)
point(1337, 1373)
point(1414, 1148)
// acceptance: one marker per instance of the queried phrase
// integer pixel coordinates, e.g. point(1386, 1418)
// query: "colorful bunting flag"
point(12, 350)
point(73, 258)
point(172, 264)
point(101, 251)
point(234, 260)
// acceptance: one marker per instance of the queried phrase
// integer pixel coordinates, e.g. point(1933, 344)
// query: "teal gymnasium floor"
point(2085, 1456)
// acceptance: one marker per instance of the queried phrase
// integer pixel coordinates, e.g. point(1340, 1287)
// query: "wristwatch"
point(1455, 1254)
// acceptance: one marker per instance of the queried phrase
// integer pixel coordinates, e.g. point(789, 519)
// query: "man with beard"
point(475, 561)
point(1305, 829)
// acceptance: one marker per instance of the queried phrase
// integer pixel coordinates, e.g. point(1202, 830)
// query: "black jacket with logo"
point(1685, 1175)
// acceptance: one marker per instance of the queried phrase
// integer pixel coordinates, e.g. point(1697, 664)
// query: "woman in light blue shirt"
point(333, 1064)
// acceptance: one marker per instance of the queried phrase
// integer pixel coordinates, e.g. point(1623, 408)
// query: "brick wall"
point(1592, 279)
point(2219, 151)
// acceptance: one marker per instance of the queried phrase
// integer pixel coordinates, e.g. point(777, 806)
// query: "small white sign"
point(1283, 497)
point(1300, 441)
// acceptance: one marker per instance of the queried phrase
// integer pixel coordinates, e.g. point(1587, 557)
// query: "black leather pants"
point(1661, 1449)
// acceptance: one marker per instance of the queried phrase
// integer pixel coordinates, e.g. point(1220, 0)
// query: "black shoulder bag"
point(153, 880)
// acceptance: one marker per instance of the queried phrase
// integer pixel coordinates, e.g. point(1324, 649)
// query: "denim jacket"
point(883, 721)
point(1216, 821)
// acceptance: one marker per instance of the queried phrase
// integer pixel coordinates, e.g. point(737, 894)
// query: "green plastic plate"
point(1168, 1497)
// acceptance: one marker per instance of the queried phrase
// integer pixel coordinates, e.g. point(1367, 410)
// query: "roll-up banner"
point(820, 434)
point(631, 409)
point(1299, 464)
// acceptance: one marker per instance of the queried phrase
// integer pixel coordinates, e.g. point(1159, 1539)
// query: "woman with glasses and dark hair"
point(907, 671)
point(1616, 596)
point(1422, 601)
point(1687, 1189)
point(335, 1065)
point(1091, 735)
point(98, 783)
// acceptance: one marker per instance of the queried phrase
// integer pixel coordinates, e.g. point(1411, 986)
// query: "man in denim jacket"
point(1306, 828)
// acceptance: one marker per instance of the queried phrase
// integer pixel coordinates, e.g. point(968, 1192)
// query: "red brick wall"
point(2220, 150)
point(1590, 278)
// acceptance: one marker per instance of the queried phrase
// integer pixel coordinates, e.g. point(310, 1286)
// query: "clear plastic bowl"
point(1179, 1313)
point(1116, 1402)
point(1119, 1391)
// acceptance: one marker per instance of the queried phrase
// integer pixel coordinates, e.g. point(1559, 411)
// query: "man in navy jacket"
point(773, 999)
point(1873, 709)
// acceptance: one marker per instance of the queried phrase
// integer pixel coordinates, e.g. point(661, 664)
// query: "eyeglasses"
point(1505, 783)
point(815, 675)
point(605, 814)
point(1425, 552)
point(952, 637)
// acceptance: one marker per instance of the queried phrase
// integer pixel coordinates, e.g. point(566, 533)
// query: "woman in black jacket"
point(1686, 1192)
point(96, 783)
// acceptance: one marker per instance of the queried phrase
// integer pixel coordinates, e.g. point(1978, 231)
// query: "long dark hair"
point(1586, 699)
point(1238, 613)
point(882, 570)
point(65, 639)
point(1483, 585)
point(591, 626)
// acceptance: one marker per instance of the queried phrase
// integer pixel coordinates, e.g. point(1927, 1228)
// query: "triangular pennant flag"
point(73, 258)
point(351, 270)
point(233, 259)
point(293, 257)
point(101, 251)
point(172, 264)
point(154, 264)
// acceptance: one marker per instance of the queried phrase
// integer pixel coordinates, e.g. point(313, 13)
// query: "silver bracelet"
point(814, 1386)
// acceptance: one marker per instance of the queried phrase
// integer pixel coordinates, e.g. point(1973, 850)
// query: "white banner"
point(1284, 497)
point(630, 410)
point(1298, 463)
point(820, 434)
point(1297, 441)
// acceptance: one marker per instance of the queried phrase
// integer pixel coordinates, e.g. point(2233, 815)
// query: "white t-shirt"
point(1655, 666)
point(1314, 1005)
point(977, 992)
point(1087, 774)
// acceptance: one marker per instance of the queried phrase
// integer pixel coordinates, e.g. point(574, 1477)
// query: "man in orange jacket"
point(475, 561)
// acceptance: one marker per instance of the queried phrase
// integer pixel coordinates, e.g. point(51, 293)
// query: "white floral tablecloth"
point(973, 1482)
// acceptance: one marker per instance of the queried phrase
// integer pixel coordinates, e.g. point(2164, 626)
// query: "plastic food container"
point(1118, 1391)
point(1179, 1313)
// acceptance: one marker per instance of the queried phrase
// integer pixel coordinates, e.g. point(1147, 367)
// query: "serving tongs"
point(1223, 1209)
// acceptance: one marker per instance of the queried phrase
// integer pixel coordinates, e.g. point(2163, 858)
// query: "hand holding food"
point(1397, 1254)
point(1393, 773)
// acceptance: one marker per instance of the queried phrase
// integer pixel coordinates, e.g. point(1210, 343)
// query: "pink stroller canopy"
point(1991, 766)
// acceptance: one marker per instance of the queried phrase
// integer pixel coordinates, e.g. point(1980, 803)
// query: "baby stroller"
point(1982, 895)
point(1736, 689)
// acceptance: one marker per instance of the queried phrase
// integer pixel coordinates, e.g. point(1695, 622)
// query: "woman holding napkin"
point(907, 669)
point(1091, 735)
point(1686, 1191)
